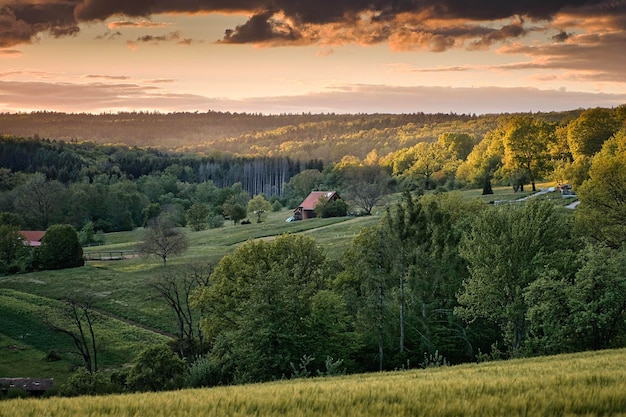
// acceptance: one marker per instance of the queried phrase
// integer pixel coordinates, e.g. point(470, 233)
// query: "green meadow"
point(585, 384)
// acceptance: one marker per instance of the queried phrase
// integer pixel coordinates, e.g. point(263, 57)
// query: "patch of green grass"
point(27, 319)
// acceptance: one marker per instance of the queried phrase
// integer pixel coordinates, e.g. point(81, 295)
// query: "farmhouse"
point(32, 237)
point(306, 209)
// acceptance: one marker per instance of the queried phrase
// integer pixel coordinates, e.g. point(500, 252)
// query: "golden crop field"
point(586, 384)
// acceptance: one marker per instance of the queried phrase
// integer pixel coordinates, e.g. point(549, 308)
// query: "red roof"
point(32, 237)
point(311, 201)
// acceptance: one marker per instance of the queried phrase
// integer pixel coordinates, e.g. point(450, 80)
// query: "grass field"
point(586, 384)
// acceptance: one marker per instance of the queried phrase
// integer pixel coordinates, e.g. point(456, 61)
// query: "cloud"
point(121, 96)
point(142, 24)
point(279, 22)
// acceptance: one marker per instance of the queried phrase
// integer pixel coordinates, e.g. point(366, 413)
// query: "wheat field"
point(586, 384)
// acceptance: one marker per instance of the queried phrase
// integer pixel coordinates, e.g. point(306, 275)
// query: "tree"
point(234, 209)
point(11, 249)
point(588, 132)
point(161, 239)
point(602, 211)
point(259, 206)
point(459, 144)
point(507, 249)
point(60, 248)
point(301, 184)
point(429, 158)
point(38, 201)
point(77, 322)
point(175, 289)
point(156, 368)
point(367, 281)
point(526, 154)
point(258, 306)
point(584, 310)
point(197, 216)
point(366, 185)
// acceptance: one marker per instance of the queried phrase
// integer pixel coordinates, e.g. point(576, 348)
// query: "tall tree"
point(259, 305)
point(526, 145)
point(77, 322)
point(583, 310)
point(602, 211)
point(38, 201)
point(507, 249)
point(160, 238)
point(366, 185)
point(588, 132)
point(368, 284)
point(175, 288)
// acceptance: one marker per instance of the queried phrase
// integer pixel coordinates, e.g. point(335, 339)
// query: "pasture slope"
point(583, 384)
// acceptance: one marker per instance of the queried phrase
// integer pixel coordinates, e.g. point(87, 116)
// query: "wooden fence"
point(110, 255)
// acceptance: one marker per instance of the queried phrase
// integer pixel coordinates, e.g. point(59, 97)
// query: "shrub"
point(60, 248)
point(157, 368)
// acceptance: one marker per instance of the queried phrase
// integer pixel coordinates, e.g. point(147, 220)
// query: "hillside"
point(122, 293)
point(326, 137)
point(567, 385)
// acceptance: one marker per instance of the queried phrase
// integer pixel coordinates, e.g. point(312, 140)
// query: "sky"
point(318, 56)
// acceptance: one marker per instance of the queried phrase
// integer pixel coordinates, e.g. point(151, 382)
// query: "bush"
point(215, 221)
point(81, 382)
point(337, 208)
point(157, 368)
point(60, 248)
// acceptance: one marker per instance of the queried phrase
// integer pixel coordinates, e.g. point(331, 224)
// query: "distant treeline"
point(83, 162)
point(327, 137)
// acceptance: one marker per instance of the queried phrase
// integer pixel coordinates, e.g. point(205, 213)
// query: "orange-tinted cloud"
point(406, 25)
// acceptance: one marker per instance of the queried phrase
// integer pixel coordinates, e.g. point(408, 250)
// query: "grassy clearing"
point(28, 339)
point(587, 384)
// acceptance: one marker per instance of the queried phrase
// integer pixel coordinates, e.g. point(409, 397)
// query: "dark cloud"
point(308, 21)
point(262, 28)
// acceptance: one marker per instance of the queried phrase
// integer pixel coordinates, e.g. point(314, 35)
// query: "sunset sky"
point(292, 56)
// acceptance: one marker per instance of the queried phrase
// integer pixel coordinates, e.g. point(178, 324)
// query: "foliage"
point(526, 144)
point(507, 249)
point(602, 212)
point(13, 253)
point(587, 133)
point(60, 248)
point(259, 206)
point(259, 304)
point(156, 368)
point(197, 216)
point(586, 310)
point(234, 209)
point(326, 208)
point(365, 185)
point(82, 382)
point(161, 239)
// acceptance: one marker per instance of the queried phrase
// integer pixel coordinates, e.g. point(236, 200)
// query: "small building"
point(32, 237)
point(33, 386)
point(306, 209)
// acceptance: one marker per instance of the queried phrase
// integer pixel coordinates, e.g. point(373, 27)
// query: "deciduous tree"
point(507, 249)
point(160, 238)
point(602, 211)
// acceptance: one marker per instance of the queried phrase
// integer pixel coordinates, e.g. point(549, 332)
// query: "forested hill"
point(326, 137)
